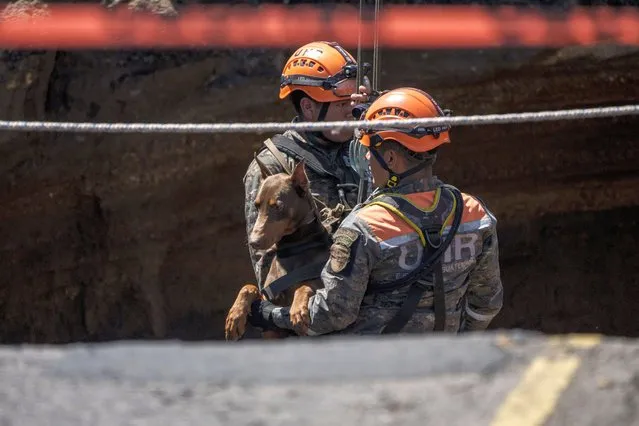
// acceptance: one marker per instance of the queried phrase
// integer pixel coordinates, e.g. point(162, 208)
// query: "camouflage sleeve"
point(485, 291)
point(260, 259)
point(345, 278)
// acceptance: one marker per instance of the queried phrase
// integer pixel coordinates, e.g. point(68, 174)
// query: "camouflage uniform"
point(374, 247)
point(325, 187)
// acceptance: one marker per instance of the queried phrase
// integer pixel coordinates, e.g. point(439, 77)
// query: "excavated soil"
point(106, 236)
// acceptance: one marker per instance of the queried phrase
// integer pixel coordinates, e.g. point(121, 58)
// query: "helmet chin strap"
point(323, 111)
point(394, 178)
point(321, 117)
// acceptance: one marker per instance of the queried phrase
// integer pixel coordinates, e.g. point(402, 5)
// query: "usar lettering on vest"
point(462, 251)
point(463, 248)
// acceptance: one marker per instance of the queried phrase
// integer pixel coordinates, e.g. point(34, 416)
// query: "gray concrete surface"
point(399, 380)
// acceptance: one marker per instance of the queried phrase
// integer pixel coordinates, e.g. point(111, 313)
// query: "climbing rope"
point(358, 79)
point(524, 117)
point(376, 56)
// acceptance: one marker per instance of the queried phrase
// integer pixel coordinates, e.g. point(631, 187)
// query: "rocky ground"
point(142, 236)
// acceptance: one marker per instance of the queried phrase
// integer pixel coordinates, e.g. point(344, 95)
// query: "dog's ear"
point(299, 179)
point(263, 169)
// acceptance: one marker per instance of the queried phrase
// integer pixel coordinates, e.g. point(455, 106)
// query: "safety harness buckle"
point(392, 182)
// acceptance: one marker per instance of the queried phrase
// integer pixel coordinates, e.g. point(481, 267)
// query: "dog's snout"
point(254, 242)
point(257, 239)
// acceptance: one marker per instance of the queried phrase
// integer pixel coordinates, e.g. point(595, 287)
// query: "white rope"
point(358, 78)
point(524, 117)
point(376, 60)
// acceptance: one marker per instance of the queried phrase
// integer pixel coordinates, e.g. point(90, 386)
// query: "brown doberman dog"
point(287, 219)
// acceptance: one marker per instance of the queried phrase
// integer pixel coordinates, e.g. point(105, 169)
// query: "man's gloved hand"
point(261, 315)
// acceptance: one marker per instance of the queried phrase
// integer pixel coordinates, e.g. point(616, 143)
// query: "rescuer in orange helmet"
point(319, 79)
point(418, 256)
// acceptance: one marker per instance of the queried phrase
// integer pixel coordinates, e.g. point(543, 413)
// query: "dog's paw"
point(300, 318)
point(235, 323)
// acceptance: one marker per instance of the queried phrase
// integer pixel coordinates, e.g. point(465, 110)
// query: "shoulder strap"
point(291, 147)
point(277, 154)
point(410, 213)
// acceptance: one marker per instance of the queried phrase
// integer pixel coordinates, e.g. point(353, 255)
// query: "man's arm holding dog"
point(345, 277)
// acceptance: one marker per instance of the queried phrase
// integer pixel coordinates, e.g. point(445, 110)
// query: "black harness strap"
point(295, 149)
point(291, 246)
point(312, 235)
point(323, 167)
point(295, 249)
point(429, 263)
point(405, 312)
point(439, 296)
point(305, 273)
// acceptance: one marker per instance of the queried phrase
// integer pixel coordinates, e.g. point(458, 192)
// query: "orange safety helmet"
point(406, 103)
point(323, 70)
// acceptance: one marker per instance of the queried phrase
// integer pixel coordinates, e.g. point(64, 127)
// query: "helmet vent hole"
point(398, 112)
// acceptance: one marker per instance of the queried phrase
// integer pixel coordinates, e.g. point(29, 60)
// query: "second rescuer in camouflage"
point(319, 78)
point(372, 281)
